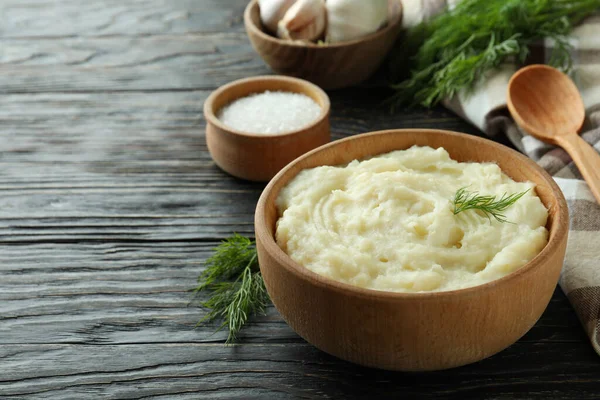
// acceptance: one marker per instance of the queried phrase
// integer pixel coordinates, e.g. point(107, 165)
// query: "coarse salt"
point(270, 112)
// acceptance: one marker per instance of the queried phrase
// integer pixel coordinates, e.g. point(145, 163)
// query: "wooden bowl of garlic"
point(334, 44)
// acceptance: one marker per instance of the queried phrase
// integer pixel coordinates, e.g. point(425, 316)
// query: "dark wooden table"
point(110, 203)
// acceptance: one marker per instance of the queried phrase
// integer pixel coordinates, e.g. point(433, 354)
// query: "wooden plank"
point(45, 19)
point(132, 213)
point(195, 370)
point(150, 63)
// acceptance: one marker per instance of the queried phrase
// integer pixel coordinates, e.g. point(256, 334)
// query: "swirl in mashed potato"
point(387, 223)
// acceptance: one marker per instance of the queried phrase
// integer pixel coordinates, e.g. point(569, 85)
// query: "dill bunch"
point(234, 283)
point(488, 205)
point(452, 51)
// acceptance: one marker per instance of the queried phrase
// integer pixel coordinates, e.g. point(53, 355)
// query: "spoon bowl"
point(547, 105)
point(545, 102)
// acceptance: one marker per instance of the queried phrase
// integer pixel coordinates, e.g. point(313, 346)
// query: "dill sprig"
point(235, 285)
point(452, 51)
point(488, 205)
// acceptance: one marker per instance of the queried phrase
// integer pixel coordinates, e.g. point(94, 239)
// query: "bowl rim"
point(210, 116)
point(270, 245)
point(298, 43)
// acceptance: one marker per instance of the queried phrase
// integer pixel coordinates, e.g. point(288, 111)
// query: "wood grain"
point(154, 63)
point(110, 204)
point(49, 19)
point(256, 371)
point(586, 158)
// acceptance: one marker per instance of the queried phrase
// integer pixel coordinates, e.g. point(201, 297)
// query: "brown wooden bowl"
point(258, 157)
point(332, 66)
point(412, 331)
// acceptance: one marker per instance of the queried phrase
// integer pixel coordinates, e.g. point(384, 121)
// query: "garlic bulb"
point(305, 20)
point(351, 19)
point(417, 11)
point(272, 11)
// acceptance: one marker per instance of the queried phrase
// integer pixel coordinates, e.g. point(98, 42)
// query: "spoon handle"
point(586, 158)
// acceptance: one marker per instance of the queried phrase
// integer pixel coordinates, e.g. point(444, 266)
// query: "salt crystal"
point(270, 112)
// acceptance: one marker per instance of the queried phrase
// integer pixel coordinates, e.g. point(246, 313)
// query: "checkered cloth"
point(486, 109)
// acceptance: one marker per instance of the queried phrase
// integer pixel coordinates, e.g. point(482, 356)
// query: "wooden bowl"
point(412, 331)
point(258, 157)
point(331, 66)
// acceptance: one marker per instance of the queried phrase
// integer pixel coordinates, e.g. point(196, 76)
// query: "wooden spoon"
point(546, 103)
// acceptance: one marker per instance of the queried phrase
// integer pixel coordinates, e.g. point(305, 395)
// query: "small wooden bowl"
point(258, 157)
point(412, 331)
point(331, 66)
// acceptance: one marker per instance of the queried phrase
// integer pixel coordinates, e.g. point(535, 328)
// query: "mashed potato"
point(387, 223)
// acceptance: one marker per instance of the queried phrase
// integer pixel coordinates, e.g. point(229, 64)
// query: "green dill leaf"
point(229, 260)
point(235, 287)
point(454, 50)
point(250, 298)
point(488, 205)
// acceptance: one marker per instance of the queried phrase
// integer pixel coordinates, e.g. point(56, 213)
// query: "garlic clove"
point(352, 19)
point(272, 11)
point(305, 20)
point(394, 10)
point(416, 12)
